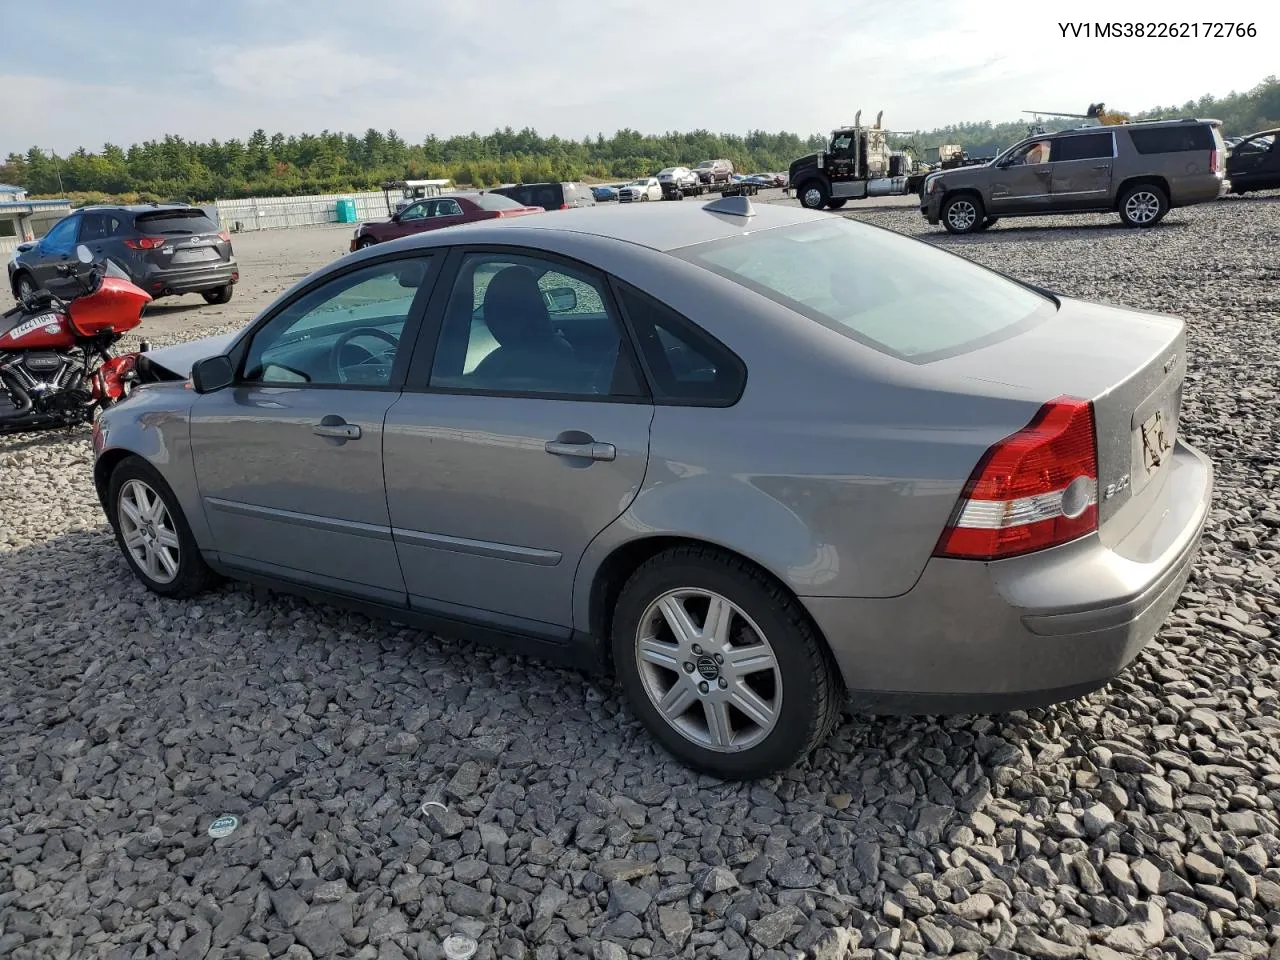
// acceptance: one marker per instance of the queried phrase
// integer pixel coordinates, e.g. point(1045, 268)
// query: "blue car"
point(604, 194)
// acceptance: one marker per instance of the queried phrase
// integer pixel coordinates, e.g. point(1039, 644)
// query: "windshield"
point(641, 182)
point(895, 294)
point(705, 164)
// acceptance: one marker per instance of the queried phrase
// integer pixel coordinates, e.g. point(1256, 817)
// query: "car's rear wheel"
point(962, 214)
point(24, 286)
point(814, 195)
point(721, 664)
point(1143, 205)
point(220, 295)
point(153, 533)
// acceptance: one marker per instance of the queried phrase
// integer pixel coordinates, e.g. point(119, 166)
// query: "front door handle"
point(335, 428)
point(589, 450)
point(1102, 166)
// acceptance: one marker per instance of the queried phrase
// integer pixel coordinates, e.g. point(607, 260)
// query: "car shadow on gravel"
point(1021, 233)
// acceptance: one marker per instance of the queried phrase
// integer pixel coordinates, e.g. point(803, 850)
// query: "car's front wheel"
point(721, 665)
point(814, 195)
point(962, 214)
point(1143, 205)
point(220, 295)
point(25, 287)
point(153, 533)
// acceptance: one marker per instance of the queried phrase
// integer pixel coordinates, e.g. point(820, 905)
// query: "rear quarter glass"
point(894, 294)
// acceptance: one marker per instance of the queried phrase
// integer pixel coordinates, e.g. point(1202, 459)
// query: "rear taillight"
point(224, 237)
point(145, 243)
point(564, 206)
point(1035, 489)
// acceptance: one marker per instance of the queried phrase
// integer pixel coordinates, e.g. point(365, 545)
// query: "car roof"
point(660, 226)
point(135, 208)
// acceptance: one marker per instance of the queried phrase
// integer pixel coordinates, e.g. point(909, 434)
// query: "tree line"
point(174, 168)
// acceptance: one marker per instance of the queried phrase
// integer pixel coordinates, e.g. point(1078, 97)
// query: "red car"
point(437, 212)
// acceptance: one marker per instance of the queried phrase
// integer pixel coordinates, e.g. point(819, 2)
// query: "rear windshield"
point(494, 201)
point(175, 221)
point(897, 295)
point(1197, 136)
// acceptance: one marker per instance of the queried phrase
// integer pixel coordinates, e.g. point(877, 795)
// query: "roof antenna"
point(734, 206)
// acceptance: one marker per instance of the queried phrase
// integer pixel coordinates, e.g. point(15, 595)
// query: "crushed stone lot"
point(394, 789)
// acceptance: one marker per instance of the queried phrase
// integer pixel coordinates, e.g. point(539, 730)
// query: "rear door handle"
point(589, 451)
point(335, 428)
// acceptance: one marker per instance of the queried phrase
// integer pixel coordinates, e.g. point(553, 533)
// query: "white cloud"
point(304, 68)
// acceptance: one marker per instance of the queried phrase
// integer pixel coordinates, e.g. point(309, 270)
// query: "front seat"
point(529, 348)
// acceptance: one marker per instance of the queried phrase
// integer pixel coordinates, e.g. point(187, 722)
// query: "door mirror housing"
point(560, 299)
point(212, 373)
point(28, 245)
point(84, 254)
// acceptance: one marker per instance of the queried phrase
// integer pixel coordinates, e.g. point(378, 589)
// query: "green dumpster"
point(346, 211)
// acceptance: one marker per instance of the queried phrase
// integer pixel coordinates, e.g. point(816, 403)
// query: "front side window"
point(895, 294)
point(519, 324)
point(1038, 151)
point(345, 332)
point(1258, 145)
point(418, 211)
point(62, 237)
point(1085, 146)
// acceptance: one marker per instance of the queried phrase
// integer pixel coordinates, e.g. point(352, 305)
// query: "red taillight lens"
point(1035, 489)
point(564, 206)
point(145, 243)
point(224, 237)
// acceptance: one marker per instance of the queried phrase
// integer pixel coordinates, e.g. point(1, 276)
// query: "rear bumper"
point(190, 279)
point(1024, 632)
point(1199, 190)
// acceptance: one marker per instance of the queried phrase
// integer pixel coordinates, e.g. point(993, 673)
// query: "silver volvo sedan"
point(755, 461)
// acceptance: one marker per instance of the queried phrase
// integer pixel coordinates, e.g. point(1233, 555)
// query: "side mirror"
point(212, 373)
point(83, 254)
point(411, 274)
point(28, 245)
point(560, 299)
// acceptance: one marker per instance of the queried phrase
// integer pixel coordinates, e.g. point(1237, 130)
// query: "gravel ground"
point(394, 789)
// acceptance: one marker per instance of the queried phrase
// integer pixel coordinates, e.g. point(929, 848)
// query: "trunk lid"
point(190, 239)
point(1135, 383)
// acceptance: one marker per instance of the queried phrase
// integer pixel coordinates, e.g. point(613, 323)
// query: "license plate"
point(1157, 440)
point(195, 256)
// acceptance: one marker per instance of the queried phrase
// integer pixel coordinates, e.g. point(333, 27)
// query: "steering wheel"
point(335, 355)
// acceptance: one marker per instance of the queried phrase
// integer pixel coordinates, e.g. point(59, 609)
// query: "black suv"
point(166, 249)
point(549, 196)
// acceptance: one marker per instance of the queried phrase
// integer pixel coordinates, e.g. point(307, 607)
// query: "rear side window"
point(686, 365)
point(175, 222)
point(1179, 139)
point(100, 226)
point(1083, 146)
point(895, 294)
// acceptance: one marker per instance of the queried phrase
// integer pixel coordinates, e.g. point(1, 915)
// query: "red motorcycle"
point(56, 365)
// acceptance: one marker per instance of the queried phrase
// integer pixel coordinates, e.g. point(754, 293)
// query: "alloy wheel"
point(26, 288)
point(962, 215)
point(1142, 207)
point(709, 670)
point(813, 198)
point(148, 531)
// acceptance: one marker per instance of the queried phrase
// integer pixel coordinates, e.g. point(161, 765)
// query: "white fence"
point(266, 213)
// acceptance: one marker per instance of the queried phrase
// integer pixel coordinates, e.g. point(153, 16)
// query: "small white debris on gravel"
point(1139, 821)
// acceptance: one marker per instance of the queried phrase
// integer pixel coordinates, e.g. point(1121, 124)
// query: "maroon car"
point(436, 212)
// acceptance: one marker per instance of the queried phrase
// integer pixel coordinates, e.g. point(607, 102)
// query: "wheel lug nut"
point(702, 687)
point(723, 683)
point(688, 667)
point(697, 650)
point(719, 658)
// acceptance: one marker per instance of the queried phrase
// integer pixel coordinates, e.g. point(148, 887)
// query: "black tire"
point(220, 295)
point(801, 671)
point(23, 286)
point(1142, 205)
point(988, 223)
point(837, 204)
point(962, 213)
point(365, 242)
point(813, 194)
point(192, 575)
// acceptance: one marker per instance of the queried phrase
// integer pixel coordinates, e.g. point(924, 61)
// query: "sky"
point(222, 69)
